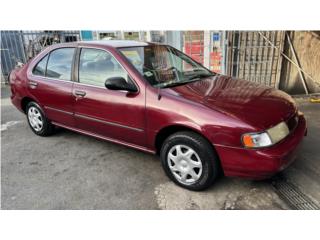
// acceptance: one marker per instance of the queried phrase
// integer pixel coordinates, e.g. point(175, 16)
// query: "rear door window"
point(60, 64)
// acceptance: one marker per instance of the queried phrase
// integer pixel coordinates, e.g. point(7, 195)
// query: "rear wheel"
point(189, 160)
point(37, 120)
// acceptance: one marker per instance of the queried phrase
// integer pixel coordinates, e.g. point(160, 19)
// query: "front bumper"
point(265, 162)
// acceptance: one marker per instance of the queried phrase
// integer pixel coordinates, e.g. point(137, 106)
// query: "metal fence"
point(20, 46)
point(251, 55)
point(255, 56)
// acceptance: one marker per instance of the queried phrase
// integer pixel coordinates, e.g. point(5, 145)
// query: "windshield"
point(164, 66)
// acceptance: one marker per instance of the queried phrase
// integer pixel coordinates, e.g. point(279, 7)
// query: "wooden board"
point(307, 47)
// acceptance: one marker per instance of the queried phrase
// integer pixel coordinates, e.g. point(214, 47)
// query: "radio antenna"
point(159, 93)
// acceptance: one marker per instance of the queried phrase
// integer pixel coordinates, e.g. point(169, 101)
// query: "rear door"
point(117, 115)
point(51, 86)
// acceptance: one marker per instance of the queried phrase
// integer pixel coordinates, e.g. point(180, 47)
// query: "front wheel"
point(189, 160)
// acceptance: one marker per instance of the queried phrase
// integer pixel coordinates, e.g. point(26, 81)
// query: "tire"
point(189, 160)
point(35, 116)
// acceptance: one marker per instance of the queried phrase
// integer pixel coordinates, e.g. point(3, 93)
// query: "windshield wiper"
point(200, 75)
point(191, 79)
point(173, 84)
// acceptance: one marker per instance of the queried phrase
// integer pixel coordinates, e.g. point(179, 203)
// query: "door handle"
point(32, 84)
point(79, 94)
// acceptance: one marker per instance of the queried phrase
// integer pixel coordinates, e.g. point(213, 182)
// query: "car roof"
point(118, 43)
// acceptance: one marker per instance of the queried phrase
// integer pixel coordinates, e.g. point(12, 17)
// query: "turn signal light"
point(247, 140)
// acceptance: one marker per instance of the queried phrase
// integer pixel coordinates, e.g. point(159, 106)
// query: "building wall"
point(307, 48)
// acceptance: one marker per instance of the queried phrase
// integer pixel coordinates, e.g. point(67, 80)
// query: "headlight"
point(266, 138)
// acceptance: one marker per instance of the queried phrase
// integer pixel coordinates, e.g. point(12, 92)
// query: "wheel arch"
point(171, 129)
point(24, 103)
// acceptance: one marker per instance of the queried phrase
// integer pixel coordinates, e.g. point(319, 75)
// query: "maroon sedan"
point(156, 99)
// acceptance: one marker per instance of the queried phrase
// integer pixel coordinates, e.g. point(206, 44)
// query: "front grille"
point(293, 122)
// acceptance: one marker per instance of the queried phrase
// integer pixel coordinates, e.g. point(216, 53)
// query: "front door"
point(51, 86)
point(117, 115)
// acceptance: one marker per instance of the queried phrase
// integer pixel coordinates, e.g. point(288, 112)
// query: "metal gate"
point(20, 46)
point(255, 56)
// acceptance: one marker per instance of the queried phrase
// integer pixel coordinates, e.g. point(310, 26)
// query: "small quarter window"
point(40, 68)
point(60, 64)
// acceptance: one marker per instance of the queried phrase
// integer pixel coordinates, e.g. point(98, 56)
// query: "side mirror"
point(119, 83)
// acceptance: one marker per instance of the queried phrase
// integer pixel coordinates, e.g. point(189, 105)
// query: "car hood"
point(257, 105)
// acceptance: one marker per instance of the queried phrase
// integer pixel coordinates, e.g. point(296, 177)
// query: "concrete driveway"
point(73, 171)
